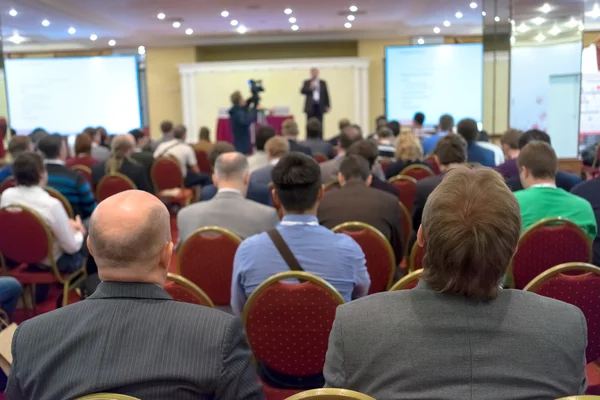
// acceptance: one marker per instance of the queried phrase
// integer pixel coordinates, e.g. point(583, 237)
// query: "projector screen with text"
point(434, 80)
point(65, 95)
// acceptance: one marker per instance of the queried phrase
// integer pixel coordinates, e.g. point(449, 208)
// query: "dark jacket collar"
point(135, 290)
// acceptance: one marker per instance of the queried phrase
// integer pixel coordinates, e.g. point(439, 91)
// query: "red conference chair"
point(406, 228)
point(206, 259)
point(407, 187)
point(63, 200)
point(410, 281)
point(25, 239)
point(288, 324)
point(112, 184)
point(203, 164)
point(577, 284)
point(385, 162)
point(417, 171)
point(168, 182)
point(186, 291)
point(320, 158)
point(549, 242)
point(379, 254)
point(415, 261)
point(84, 171)
point(435, 167)
point(7, 183)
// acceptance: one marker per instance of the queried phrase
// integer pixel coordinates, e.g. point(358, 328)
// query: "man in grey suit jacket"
point(130, 337)
point(458, 335)
point(276, 147)
point(229, 208)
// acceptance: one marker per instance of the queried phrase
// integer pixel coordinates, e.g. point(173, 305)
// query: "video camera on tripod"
point(255, 88)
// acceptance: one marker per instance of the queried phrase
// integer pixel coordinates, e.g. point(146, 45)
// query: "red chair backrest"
point(7, 183)
point(407, 227)
point(417, 171)
point(84, 171)
point(546, 244)
point(416, 258)
point(407, 188)
point(385, 163)
point(166, 174)
point(435, 167)
point(183, 290)
point(288, 324)
point(320, 158)
point(206, 259)
point(24, 237)
point(112, 184)
point(581, 290)
point(203, 164)
point(378, 253)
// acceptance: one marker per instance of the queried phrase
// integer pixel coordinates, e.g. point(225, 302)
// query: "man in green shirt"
point(541, 198)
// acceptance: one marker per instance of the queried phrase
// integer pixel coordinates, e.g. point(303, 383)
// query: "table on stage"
point(224, 127)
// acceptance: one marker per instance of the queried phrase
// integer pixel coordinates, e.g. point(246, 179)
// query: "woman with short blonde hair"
point(408, 152)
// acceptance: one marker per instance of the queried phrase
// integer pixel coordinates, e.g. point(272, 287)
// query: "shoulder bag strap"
point(284, 250)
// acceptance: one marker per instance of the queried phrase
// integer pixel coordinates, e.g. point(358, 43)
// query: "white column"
point(188, 103)
point(364, 96)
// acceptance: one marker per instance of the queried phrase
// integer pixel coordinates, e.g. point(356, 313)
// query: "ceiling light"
point(554, 31)
point(595, 13)
point(93, 37)
point(538, 21)
point(112, 42)
point(483, 13)
point(351, 17)
point(13, 12)
point(45, 22)
point(458, 15)
point(421, 41)
point(141, 50)
point(242, 29)
point(513, 40)
point(473, 5)
point(436, 29)
point(224, 13)
point(540, 37)
point(295, 27)
point(447, 23)
point(353, 8)
point(176, 24)
point(288, 11)
point(347, 25)
point(546, 8)
point(497, 18)
point(523, 28)
point(572, 23)
point(72, 31)
point(189, 31)
point(234, 22)
point(16, 38)
point(292, 20)
point(161, 16)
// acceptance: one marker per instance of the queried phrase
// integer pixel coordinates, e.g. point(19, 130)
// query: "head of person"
point(218, 149)
point(263, 134)
point(510, 143)
point(29, 170)
point(53, 147)
point(314, 128)
point(484, 137)
point(446, 123)
point(350, 134)
point(467, 128)
point(534, 134)
point(344, 122)
point(121, 147)
point(314, 73)
point(366, 149)
point(277, 147)
point(93, 134)
point(289, 128)
point(36, 135)
point(166, 127)
point(537, 163)
point(83, 145)
point(130, 238)
point(354, 168)
point(395, 127)
point(204, 134)
point(231, 171)
point(179, 132)
point(408, 148)
point(101, 131)
point(418, 120)
point(450, 150)
point(141, 140)
point(18, 145)
point(297, 184)
point(237, 100)
point(385, 135)
point(470, 230)
point(380, 122)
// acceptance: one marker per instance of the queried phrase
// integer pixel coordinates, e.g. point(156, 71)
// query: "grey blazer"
point(420, 344)
point(262, 176)
point(100, 153)
point(228, 210)
point(133, 339)
point(330, 169)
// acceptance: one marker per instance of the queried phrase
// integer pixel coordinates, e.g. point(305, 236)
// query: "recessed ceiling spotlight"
point(436, 29)
point(353, 8)
point(288, 11)
point(142, 50)
point(546, 8)
point(483, 13)
point(72, 31)
point(540, 37)
point(347, 25)
point(161, 16)
point(555, 30)
point(13, 12)
point(523, 28)
point(458, 15)
point(538, 21)
point(447, 23)
point(497, 18)
point(292, 20)
point(176, 24)
point(295, 27)
point(16, 38)
point(421, 40)
point(473, 5)
point(93, 37)
point(46, 22)
point(595, 13)
point(112, 42)
point(189, 31)
point(572, 23)
point(234, 22)
point(242, 29)
point(351, 17)
point(224, 13)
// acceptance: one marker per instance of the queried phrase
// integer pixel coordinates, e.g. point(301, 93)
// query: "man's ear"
point(165, 256)
point(89, 246)
point(421, 236)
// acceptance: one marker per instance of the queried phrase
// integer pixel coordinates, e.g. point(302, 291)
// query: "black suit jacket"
point(358, 202)
point(131, 169)
point(424, 189)
point(295, 146)
point(308, 92)
point(146, 160)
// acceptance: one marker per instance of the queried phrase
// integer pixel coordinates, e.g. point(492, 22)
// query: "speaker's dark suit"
point(312, 108)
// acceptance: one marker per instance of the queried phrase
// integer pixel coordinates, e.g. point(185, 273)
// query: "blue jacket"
point(477, 154)
point(241, 119)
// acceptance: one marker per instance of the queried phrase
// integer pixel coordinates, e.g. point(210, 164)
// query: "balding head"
point(122, 145)
point(232, 172)
point(130, 238)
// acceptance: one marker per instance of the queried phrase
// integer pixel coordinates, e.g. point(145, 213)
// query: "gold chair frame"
point(408, 217)
point(107, 396)
point(417, 166)
point(413, 256)
point(118, 175)
point(545, 276)
point(59, 196)
point(199, 293)
point(81, 167)
point(401, 284)
point(401, 177)
point(330, 394)
point(585, 397)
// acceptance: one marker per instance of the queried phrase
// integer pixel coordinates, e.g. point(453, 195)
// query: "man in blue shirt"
point(468, 129)
point(445, 127)
point(337, 258)
point(16, 146)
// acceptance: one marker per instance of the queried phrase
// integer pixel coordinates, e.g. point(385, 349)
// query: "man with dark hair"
point(395, 127)
point(474, 338)
point(468, 129)
point(344, 122)
point(385, 142)
point(314, 141)
point(329, 169)
point(380, 122)
point(368, 150)
point(142, 153)
point(356, 201)
point(68, 182)
point(204, 144)
point(541, 198)
point(510, 146)
point(445, 126)
point(417, 125)
point(16, 146)
point(289, 130)
point(166, 128)
point(564, 180)
point(259, 159)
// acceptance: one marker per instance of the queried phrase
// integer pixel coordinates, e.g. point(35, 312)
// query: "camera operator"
point(241, 118)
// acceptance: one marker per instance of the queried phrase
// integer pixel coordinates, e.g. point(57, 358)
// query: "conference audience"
point(204, 144)
point(395, 127)
point(259, 158)
point(130, 336)
point(510, 146)
point(470, 338)
point(541, 198)
point(344, 122)
point(142, 152)
point(314, 141)
point(330, 168)
point(380, 122)
point(334, 257)
point(368, 150)
point(445, 126)
point(408, 152)
point(564, 180)
point(241, 117)
point(276, 147)
point(83, 152)
point(67, 235)
point(98, 152)
point(289, 130)
point(105, 138)
point(10, 293)
point(36, 135)
point(484, 141)
point(62, 178)
point(590, 191)
point(356, 201)
point(16, 146)
point(450, 152)
point(417, 125)
point(166, 128)
point(229, 208)
point(120, 161)
point(468, 129)
point(385, 142)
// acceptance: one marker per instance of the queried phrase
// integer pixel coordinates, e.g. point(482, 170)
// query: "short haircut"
point(231, 166)
point(236, 98)
point(277, 147)
point(385, 133)
point(28, 168)
point(395, 127)
point(471, 224)
point(534, 134)
point(18, 145)
point(166, 127)
point(50, 146)
point(446, 123)
point(408, 148)
point(179, 132)
point(468, 129)
point(419, 118)
point(204, 133)
point(90, 131)
point(539, 158)
point(314, 128)
point(355, 167)
point(289, 127)
point(483, 136)
point(344, 122)
point(263, 134)
point(451, 149)
point(511, 138)
point(297, 180)
point(137, 134)
point(350, 134)
point(83, 144)
point(218, 149)
point(380, 118)
point(366, 149)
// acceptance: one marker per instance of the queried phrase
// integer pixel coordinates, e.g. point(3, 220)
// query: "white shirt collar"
point(274, 162)
point(54, 161)
point(229, 190)
point(544, 185)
